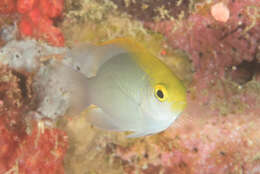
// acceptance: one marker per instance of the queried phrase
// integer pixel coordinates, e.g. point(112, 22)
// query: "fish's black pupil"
point(159, 94)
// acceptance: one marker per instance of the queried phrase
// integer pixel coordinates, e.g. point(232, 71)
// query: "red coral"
point(51, 8)
point(43, 151)
point(42, 24)
point(24, 6)
point(39, 153)
point(43, 28)
point(10, 136)
point(12, 128)
point(7, 6)
point(26, 27)
point(50, 33)
point(37, 18)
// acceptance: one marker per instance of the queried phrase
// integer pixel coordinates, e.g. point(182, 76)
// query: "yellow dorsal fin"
point(127, 43)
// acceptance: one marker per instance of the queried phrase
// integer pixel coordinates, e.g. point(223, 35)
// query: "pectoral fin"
point(100, 119)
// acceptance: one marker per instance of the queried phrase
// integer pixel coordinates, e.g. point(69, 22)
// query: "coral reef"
point(218, 132)
point(37, 18)
point(27, 145)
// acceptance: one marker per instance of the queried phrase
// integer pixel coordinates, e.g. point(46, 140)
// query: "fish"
point(122, 87)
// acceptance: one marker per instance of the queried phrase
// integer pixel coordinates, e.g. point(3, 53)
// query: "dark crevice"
point(22, 83)
point(25, 88)
point(244, 72)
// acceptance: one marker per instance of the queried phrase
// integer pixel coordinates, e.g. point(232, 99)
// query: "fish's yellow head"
point(160, 95)
point(167, 88)
point(166, 85)
point(165, 98)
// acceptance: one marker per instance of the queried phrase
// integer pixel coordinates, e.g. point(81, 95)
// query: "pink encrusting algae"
point(212, 45)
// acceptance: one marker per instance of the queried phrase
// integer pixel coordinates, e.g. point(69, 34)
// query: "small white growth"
point(220, 12)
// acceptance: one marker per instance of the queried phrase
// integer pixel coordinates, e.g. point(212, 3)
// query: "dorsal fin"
point(126, 43)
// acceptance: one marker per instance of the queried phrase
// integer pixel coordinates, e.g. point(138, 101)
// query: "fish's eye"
point(161, 93)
